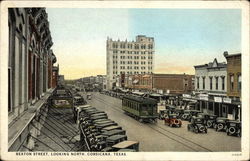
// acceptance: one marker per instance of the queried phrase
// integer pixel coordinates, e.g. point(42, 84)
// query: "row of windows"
point(132, 52)
point(131, 46)
point(131, 104)
point(135, 57)
point(135, 72)
point(211, 83)
point(130, 67)
point(131, 62)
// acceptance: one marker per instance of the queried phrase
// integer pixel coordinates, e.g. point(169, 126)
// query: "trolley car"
point(141, 108)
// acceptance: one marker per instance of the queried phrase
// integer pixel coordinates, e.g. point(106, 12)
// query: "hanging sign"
point(227, 100)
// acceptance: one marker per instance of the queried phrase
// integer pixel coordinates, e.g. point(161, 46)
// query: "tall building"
point(129, 57)
point(30, 74)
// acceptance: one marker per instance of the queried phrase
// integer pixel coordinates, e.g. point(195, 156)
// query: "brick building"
point(167, 83)
point(234, 84)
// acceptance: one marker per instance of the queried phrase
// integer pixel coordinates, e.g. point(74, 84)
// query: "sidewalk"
point(59, 133)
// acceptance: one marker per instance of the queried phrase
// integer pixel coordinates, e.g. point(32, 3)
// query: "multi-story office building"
point(129, 57)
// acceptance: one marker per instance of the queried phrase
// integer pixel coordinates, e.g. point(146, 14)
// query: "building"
point(233, 84)
point(218, 87)
point(161, 83)
point(30, 79)
point(129, 57)
point(210, 87)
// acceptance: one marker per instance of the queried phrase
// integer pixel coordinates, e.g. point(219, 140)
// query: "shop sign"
point(227, 100)
point(160, 91)
point(218, 99)
point(203, 97)
point(186, 95)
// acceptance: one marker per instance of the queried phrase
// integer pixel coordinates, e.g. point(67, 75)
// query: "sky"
point(183, 37)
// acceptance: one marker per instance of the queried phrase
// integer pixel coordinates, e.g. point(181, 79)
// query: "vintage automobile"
point(179, 112)
point(220, 124)
point(211, 120)
point(197, 125)
point(233, 128)
point(188, 114)
point(114, 132)
point(162, 114)
point(101, 126)
point(208, 118)
point(77, 110)
point(126, 146)
point(172, 121)
point(112, 140)
point(109, 128)
point(89, 96)
point(79, 100)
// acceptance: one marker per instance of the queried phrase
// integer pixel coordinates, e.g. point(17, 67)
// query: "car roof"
point(124, 144)
point(233, 121)
point(222, 118)
point(111, 127)
point(113, 131)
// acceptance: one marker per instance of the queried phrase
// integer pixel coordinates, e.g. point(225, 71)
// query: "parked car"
point(233, 128)
point(126, 146)
point(188, 114)
point(207, 118)
point(179, 112)
point(221, 124)
point(197, 125)
point(211, 121)
point(89, 96)
point(171, 120)
point(162, 114)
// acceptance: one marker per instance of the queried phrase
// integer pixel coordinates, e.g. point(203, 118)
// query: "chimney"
point(225, 53)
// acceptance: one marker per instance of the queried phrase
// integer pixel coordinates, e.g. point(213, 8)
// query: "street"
point(159, 137)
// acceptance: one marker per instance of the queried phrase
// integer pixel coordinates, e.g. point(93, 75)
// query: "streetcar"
point(141, 108)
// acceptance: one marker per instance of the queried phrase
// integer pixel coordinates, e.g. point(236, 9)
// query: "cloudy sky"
point(183, 37)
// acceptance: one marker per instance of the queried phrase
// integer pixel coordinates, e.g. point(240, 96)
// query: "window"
point(231, 82)
point(203, 82)
point(216, 83)
point(239, 82)
point(198, 84)
point(223, 83)
point(211, 83)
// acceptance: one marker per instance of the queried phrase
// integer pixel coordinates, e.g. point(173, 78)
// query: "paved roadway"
point(159, 137)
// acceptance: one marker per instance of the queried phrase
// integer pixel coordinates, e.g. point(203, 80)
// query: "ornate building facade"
point(30, 64)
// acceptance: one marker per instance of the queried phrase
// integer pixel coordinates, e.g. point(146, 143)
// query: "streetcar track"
point(172, 133)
